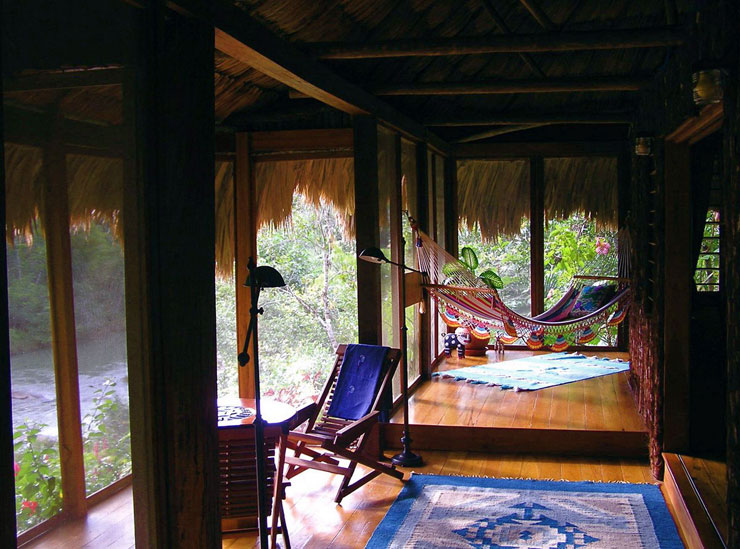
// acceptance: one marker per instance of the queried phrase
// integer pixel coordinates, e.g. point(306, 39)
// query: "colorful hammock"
point(465, 300)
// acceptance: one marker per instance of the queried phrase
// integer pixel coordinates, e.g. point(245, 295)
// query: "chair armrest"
point(356, 428)
point(302, 415)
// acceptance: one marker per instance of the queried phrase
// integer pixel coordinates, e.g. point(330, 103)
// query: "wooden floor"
point(710, 480)
point(314, 521)
point(602, 403)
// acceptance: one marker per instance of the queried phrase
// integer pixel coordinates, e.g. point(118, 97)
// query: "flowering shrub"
point(107, 458)
point(38, 493)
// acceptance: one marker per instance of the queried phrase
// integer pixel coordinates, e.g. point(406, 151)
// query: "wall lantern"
point(643, 145)
point(708, 86)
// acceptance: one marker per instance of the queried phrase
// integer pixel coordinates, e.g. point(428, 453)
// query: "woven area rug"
point(537, 372)
point(463, 512)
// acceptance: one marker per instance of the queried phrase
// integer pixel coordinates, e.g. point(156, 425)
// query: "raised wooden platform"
point(593, 417)
point(696, 491)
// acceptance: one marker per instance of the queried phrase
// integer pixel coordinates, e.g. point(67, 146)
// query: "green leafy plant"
point(38, 493)
point(106, 454)
point(469, 258)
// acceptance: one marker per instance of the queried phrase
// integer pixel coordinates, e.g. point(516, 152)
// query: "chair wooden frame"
point(328, 439)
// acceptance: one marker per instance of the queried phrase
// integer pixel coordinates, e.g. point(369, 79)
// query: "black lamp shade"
point(266, 277)
point(373, 255)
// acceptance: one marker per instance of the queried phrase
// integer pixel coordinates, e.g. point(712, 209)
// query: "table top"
point(273, 412)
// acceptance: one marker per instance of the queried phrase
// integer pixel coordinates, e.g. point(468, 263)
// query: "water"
point(33, 387)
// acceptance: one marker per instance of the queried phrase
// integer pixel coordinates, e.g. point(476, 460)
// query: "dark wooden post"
point(677, 296)
point(367, 228)
point(245, 246)
point(624, 163)
point(422, 185)
point(170, 289)
point(7, 486)
point(451, 210)
point(537, 232)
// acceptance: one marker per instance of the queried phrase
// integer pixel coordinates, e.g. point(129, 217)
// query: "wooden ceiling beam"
point(518, 119)
point(241, 37)
point(546, 149)
point(501, 23)
point(32, 128)
point(544, 85)
point(540, 16)
point(498, 131)
point(509, 43)
point(58, 80)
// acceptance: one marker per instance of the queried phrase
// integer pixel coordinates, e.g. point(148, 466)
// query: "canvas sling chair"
point(339, 423)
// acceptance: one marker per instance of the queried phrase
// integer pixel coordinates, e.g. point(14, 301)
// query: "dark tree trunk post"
point(367, 228)
point(170, 288)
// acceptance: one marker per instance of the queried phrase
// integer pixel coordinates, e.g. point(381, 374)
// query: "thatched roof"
point(495, 194)
point(95, 190)
point(328, 180)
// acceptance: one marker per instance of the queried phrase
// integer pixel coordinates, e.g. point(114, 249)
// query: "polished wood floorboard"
point(710, 479)
point(601, 403)
point(109, 524)
point(315, 521)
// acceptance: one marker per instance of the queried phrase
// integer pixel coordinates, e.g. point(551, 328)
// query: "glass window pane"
point(494, 221)
point(411, 205)
point(37, 470)
point(227, 347)
point(98, 278)
point(316, 310)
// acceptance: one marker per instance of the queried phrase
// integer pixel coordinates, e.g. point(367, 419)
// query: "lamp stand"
point(259, 433)
point(406, 458)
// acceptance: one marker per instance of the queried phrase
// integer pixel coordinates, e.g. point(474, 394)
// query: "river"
point(32, 378)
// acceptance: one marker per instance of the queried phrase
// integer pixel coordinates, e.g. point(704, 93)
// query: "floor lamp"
point(259, 278)
point(406, 458)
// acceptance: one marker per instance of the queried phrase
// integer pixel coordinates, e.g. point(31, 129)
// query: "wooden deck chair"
point(340, 421)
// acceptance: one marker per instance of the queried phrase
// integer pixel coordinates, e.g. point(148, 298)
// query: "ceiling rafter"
point(512, 43)
point(501, 23)
point(540, 16)
point(540, 85)
point(520, 118)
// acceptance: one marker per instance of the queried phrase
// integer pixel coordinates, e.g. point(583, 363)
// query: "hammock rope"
point(465, 300)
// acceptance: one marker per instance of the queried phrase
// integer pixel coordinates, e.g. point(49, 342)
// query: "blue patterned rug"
point(537, 372)
point(463, 512)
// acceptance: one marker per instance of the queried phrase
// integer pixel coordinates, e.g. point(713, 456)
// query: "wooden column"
point(7, 486)
point(422, 185)
point(677, 296)
point(170, 288)
point(451, 210)
point(624, 199)
point(55, 218)
point(245, 246)
point(367, 228)
point(537, 232)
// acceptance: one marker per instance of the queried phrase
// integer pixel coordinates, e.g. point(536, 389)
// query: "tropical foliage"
point(572, 246)
point(107, 458)
point(304, 321)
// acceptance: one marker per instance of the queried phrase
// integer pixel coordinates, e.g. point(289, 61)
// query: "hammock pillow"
point(592, 298)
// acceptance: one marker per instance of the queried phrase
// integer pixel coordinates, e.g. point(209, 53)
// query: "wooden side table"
point(237, 459)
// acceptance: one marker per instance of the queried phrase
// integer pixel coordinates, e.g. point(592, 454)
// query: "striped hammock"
point(465, 300)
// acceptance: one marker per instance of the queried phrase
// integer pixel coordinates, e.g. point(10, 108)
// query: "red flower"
point(30, 505)
point(16, 468)
point(96, 450)
point(602, 246)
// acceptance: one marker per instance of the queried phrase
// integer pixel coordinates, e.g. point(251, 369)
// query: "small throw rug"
point(537, 372)
point(463, 512)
